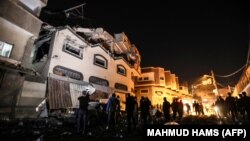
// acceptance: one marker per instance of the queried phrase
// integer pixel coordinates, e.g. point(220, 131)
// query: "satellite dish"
point(90, 89)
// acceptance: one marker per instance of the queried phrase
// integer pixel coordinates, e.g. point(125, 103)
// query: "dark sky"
point(188, 37)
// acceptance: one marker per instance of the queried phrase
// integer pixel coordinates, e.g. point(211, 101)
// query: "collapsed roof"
point(118, 46)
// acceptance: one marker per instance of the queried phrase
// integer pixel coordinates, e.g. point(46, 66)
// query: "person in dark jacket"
point(111, 110)
point(83, 112)
point(166, 109)
point(130, 105)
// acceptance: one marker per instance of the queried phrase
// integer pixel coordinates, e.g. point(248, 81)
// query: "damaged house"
point(69, 60)
point(20, 27)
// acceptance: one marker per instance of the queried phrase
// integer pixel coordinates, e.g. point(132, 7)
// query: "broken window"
point(72, 49)
point(42, 50)
point(42, 44)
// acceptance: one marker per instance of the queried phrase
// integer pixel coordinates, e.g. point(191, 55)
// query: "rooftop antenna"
point(76, 11)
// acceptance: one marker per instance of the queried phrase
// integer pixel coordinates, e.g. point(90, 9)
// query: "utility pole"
point(248, 55)
point(214, 83)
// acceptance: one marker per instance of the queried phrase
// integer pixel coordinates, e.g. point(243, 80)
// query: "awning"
point(58, 94)
point(63, 92)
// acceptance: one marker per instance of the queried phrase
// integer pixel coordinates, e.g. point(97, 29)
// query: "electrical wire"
point(235, 72)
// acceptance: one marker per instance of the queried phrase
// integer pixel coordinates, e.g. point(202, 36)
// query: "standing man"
point(111, 110)
point(130, 105)
point(166, 109)
point(83, 112)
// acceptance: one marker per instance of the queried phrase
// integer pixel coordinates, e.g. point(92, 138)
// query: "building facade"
point(157, 83)
point(75, 58)
point(20, 27)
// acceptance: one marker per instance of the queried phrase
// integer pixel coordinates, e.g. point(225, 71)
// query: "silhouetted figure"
point(180, 109)
point(196, 108)
point(175, 107)
point(231, 105)
point(136, 110)
point(111, 110)
point(246, 101)
point(143, 111)
point(118, 111)
point(201, 109)
point(188, 108)
point(130, 105)
point(221, 106)
point(240, 106)
point(147, 108)
point(166, 109)
point(83, 112)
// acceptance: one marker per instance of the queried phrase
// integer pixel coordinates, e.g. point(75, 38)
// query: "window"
point(5, 49)
point(121, 70)
point(72, 49)
point(98, 81)
point(161, 78)
point(144, 91)
point(150, 76)
point(99, 60)
point(140, 79)
point(63, 71)
point(159, 93)
point(121, 86)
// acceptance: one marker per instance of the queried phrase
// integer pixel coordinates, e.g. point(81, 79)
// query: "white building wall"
point(86, 65)
point(63, 58)
point(126, 80)
point(94, 70)
point(15, 35)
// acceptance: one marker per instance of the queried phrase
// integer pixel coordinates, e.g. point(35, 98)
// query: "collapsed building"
point(20, 27)
point(70, 60)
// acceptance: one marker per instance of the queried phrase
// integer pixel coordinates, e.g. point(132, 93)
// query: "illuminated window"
point(121, 70)
point(144, 91)
point(72, 49)
point(100, 61)
point(5, 49)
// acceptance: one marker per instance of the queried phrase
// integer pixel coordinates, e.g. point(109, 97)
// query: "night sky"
point(188, 37)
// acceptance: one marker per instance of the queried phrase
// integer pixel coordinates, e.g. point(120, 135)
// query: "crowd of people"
point(234, 107)
point(139, 115)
